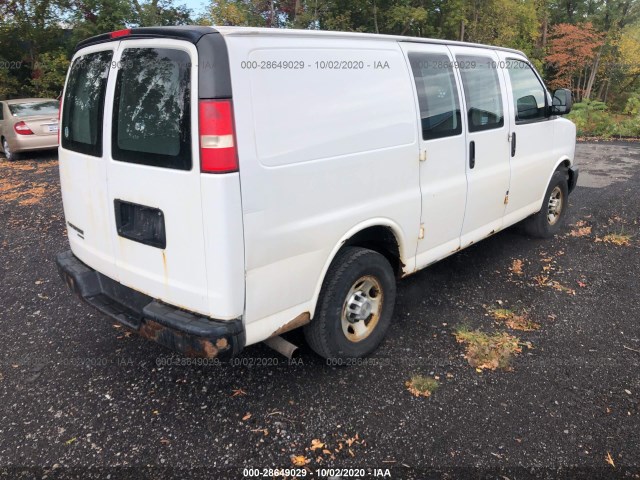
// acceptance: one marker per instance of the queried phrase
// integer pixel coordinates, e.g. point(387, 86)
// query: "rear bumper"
point(28, 143)
point(188, 333)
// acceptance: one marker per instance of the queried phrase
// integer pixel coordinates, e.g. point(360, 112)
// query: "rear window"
point(151, 113)
point(33, 109)
point(84, 103)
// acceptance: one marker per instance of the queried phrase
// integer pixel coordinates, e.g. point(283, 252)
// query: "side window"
point(84, 103)
point(529, 96)
point(437, 95)
point(482, 92)
point(151, 112)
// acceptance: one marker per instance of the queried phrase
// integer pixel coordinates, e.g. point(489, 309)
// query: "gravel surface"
point(81, 398)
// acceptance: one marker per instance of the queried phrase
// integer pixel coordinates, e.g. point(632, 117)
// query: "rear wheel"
point(8, 153)
point(355, 305)
point(548, 221)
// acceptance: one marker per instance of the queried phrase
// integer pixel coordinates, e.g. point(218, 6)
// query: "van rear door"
point(153, 171)
point(83, 170)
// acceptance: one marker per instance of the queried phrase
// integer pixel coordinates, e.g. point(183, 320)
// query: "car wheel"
point(548, 221)
point(8, 153)
point(355, 305)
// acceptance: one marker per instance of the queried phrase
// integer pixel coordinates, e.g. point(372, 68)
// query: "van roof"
point(234, 31)
point(194, 33)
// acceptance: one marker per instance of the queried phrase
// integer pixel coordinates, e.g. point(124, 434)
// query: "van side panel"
point(327, 139)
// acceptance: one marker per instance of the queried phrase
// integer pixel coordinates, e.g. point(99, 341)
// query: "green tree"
point(49, 73)
point(160, 13)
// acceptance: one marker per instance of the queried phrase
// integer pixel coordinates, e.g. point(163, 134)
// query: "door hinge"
point(423, 155)
point(506, 199)
point(421, 234)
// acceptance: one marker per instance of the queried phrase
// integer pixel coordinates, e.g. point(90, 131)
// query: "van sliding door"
point(443, 181)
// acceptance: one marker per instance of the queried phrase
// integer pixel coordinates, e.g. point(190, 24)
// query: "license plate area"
point(140, 223)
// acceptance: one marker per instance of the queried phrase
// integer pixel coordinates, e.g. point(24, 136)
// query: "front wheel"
point(355, 305)
point(548, 221)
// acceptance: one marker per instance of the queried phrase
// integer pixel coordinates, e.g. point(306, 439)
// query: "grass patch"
point(488, 351)
point(513, 320)
point(421, 386)
point(619, 239)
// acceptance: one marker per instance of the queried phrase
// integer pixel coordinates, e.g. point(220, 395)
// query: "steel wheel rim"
point(556, 203)
point(362, 308)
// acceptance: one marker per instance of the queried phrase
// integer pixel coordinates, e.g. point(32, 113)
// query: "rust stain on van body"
point(297, 322)
point(165, 272)
point(186, 344)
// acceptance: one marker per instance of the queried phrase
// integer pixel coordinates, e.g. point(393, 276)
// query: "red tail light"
point(22, 129)
point(218, 152)
point(120, 33)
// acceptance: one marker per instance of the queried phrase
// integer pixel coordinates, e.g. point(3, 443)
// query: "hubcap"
point(555, 206)
point(362, 308)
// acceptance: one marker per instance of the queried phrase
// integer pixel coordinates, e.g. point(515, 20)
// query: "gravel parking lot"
point(82, 398)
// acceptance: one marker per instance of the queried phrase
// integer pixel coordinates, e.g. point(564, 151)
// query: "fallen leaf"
point(246, 417)
point(238, 392)
point(70, 441)
point(299, 460)
point(164, 441)
point(516, 266)
point(580, 232)
point(316, 444)
point(609, 460)
point(326, 452)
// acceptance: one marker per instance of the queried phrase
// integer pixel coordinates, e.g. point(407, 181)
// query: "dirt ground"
point(81, 398)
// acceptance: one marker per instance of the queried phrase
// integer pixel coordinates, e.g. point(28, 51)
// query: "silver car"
point(28, 124)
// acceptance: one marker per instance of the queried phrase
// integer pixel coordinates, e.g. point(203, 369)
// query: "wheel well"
point(382, 240)
point(564, 167)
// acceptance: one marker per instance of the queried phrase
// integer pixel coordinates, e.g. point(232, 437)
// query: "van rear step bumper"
point(187, 333)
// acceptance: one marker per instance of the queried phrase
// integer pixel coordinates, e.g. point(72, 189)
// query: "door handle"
point(513, 144)
point(472, 154)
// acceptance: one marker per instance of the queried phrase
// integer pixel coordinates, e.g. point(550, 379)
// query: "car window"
point(83, 105)
point(437, 95)
point(151, 114)
point(529, 96)
point(482, 92)
point(32, 109)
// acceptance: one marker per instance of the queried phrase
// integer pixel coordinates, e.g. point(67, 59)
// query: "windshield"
point(32, 109)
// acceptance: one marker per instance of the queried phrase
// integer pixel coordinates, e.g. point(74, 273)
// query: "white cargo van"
point(222, 186)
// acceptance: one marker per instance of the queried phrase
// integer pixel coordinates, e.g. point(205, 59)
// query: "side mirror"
point(527, 107)
point(562, 102)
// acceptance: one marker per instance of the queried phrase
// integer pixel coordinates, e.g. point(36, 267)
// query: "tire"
point(8, 154)
point(355, 306)
point(546, 224)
